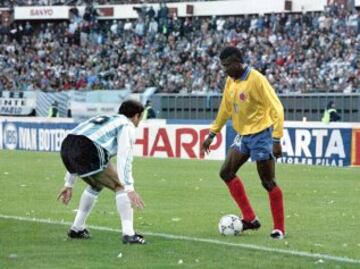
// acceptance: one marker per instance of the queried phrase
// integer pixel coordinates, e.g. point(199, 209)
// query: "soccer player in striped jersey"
point(257, 116)
point(86, 153)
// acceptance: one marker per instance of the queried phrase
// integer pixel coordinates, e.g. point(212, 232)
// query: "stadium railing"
point(309, 107)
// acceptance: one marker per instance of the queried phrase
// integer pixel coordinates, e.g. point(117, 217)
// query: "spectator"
point(330, 113)
point(149, 112)
point(54, 110)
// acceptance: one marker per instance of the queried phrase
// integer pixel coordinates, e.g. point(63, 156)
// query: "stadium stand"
point(299, 53)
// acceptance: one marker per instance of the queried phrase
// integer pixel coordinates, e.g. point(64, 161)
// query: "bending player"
point(86, 153)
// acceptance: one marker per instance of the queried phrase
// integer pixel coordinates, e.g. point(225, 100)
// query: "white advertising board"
point(177, 141)
point(41, 13)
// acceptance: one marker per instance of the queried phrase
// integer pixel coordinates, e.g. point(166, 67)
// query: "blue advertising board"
point(312, 145)
point(34, 136)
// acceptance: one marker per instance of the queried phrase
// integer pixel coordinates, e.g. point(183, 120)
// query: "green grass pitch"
point(184, 201)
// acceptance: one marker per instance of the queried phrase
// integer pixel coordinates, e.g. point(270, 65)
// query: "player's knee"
point(226, 175)
point(269, 185)
point(93, 184)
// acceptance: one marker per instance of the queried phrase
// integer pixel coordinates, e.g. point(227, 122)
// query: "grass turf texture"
point(183, 198)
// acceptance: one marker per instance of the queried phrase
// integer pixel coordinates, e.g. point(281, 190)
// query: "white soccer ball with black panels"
point(230, 225)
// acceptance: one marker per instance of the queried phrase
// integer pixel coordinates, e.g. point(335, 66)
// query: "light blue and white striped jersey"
point(115, 134)
point(103, 130)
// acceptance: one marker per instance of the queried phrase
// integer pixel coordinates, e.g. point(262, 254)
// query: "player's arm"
point(224, 112)
point(223, 115)
point(125, 158)
point(276, 108)
point(126, 140)
point(66, 192)
point(276, 112)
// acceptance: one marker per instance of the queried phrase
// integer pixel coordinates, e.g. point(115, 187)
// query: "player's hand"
point(277, 151)
point(136, 200)
point(65, 195)
point(205, 147)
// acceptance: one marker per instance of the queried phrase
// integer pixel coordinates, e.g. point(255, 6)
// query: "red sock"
point(237, 191)
point(277, 208)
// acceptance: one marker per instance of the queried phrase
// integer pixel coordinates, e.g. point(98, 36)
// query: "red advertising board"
point(355, 147)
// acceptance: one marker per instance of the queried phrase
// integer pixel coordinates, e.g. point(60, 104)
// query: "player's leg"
point(261, 152)
point(109, 178)
point(235, 158)
point(266, 170)
point(95, 182)
point(86, 204)
point(81, 156)
point(233, 161)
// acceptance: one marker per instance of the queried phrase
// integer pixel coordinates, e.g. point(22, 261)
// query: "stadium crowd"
point(299, 53)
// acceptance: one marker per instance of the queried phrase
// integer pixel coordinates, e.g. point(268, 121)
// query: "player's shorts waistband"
point(268, 129)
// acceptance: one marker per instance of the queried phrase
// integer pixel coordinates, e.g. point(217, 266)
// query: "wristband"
point(276, 140)
point(212, 135)
point(69, 180)
point(129, 188)
point(68, 185)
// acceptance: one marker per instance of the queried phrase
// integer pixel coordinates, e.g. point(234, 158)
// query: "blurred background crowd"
point(298, 52)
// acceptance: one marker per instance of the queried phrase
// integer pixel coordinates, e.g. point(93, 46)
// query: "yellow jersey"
point(252, 104)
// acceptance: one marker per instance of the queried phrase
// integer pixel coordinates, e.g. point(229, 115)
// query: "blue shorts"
point(259, 146)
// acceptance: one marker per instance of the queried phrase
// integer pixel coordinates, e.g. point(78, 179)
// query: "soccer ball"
point(230, 225)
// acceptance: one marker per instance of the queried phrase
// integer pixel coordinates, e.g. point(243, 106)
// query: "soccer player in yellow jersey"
point(257, 116)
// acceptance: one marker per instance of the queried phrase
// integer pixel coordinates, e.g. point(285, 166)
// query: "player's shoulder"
point(119, 118)
point(123, 121)
point(255, 74)
point(256, 77)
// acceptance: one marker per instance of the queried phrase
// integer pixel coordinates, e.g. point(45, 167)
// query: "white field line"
point(202, 240)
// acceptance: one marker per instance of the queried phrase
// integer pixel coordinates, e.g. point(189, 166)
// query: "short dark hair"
point(330, 104)
point(229, 51)
point(130, 108)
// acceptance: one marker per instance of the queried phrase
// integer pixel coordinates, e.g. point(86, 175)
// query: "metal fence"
point(310, 106)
